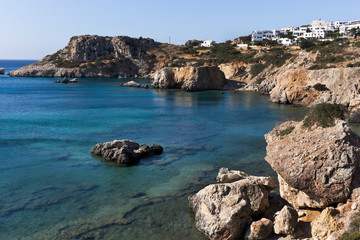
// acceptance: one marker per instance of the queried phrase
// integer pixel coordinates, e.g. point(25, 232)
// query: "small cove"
point(53, 188)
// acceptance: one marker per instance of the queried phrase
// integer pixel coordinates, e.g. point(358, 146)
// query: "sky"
point(32, 29)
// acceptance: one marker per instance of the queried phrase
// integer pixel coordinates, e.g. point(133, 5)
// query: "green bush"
point(67, 64)
point(260, 80)
point(286, 131)
point(323, 114)
point(256, 69)
point(307, 43)
point(354, 232)
point(357, 64)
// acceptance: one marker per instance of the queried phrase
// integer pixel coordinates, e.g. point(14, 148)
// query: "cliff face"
point(190, 78)
point(95, 56)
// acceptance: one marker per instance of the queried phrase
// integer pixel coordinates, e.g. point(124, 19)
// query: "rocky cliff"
point(95, 56)
point(190, 78)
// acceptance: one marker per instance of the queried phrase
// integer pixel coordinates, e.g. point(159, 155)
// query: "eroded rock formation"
point(189, 78)
point(315, 166)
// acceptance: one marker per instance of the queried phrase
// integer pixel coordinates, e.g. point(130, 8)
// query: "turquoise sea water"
point(51, 187)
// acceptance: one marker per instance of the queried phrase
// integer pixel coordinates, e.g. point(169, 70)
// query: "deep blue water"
point(51, 187)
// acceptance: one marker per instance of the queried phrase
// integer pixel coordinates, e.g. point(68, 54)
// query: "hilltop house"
point(265, 34)
point(207, 43)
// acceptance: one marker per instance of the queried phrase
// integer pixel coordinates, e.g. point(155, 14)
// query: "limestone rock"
point(125, 151)
point(2, 70)
point(234, 70)
point(315, 166)
point(325, 224)
point(227, 176)
point(285, 221)
point(223, 210)
point(189, 78)
point(259, 230)
point(131, 84)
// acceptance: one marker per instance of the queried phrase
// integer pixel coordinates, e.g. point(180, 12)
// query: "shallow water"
point(51, 187)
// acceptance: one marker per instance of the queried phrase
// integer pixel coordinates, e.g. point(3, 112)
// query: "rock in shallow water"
point(125, 151)
point(224, 210)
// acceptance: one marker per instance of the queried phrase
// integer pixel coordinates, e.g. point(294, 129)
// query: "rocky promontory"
point(95, 56)
point(189, 78)
point(125, 151)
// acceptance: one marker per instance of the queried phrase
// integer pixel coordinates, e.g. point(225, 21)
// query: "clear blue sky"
point(31, 29)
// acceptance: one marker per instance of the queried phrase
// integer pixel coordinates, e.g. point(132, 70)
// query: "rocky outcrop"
point(193, 43)
point(2, 70)
point(234, 70)
point(316, 166)
point(125, 151)
point(95, 56)
point(299, 86)
point(223, 210)
point(189, 78)
point(285, 221)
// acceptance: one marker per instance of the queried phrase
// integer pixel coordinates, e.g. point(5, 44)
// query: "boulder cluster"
point(125, 151)
point(318, 178)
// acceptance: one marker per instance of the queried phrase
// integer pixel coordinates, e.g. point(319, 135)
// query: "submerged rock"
point(315, 166)
point(189, 78)
point(224, 210)
point(125, 151)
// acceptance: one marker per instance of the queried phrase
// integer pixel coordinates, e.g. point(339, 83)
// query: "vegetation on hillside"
point(354, 232)
point(323, 114)
point(286, 131)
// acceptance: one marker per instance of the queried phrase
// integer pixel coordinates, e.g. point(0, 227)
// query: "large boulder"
point(190, 78)
point(316, 166)
point(2, 70)
point(224, 210)
point(125, 151)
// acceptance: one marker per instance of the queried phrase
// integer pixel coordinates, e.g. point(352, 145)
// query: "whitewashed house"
point(265, 34)
point(346, 27)
point(287, 41)
point(207, 43)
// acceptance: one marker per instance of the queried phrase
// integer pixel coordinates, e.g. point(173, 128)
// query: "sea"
point(52, 187)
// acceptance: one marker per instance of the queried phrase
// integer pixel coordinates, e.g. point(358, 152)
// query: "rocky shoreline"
point(318, 174)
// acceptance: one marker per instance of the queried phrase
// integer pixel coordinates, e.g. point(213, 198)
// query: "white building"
point(265, 34)
point(286, 41)
point(346, 27)
point(242, 45)
point(207, 43)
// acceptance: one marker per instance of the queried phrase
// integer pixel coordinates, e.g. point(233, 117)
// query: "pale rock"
point(325, 224)
point(223, 210)
point(285, 221)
